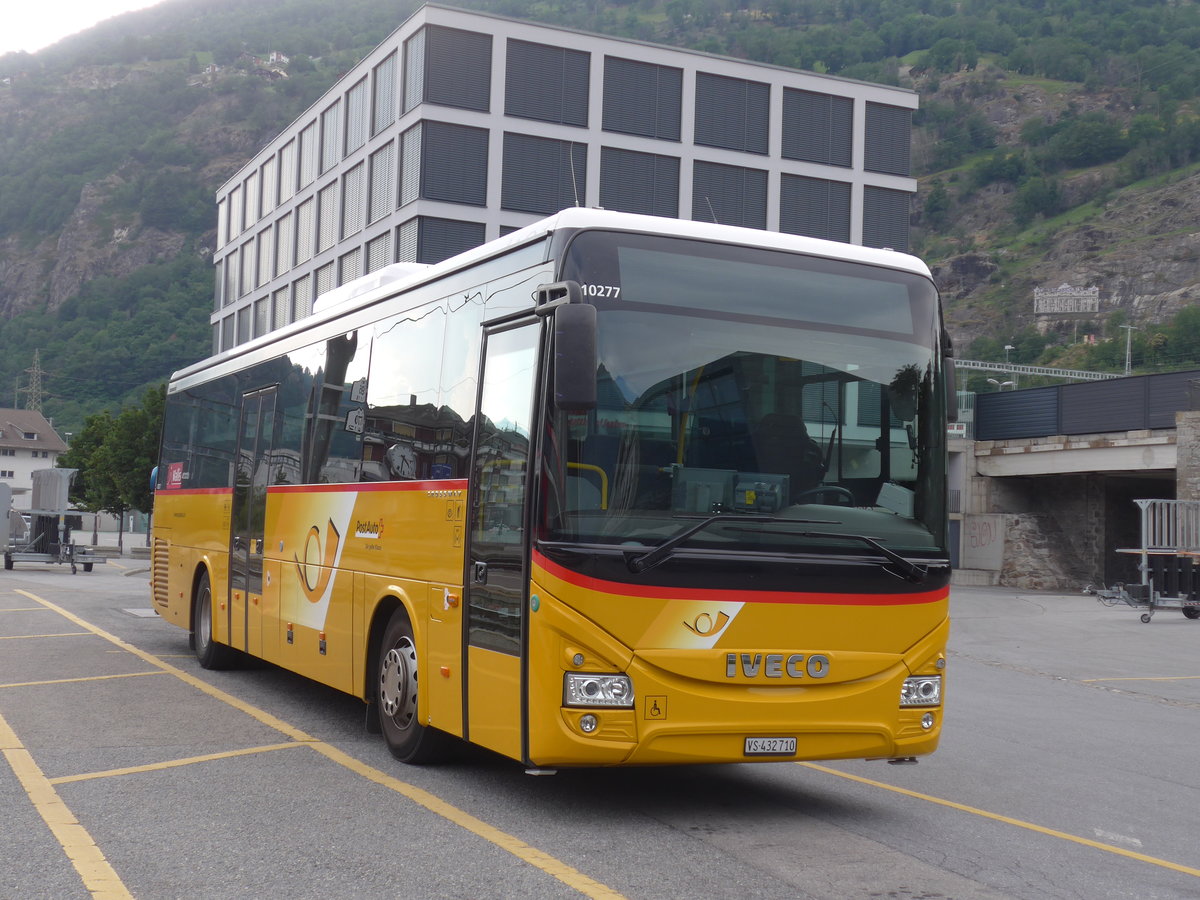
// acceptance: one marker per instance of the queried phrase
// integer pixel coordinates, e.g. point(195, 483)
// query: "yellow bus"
point(610, 490)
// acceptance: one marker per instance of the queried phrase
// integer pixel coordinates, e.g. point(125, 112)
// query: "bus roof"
point(361, 292)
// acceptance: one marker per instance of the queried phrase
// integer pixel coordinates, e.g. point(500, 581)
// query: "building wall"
point(461, 127)
point(28, 442)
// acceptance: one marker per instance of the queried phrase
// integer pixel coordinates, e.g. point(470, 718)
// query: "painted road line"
point(538, 859)
point(98, 876)
point(1144, 678)
point(1008, 820)
point(25, 637)
point(174, 763)
point(17, 684)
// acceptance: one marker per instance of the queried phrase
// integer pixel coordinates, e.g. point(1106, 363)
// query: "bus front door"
point(497, 575)
point(255, 439)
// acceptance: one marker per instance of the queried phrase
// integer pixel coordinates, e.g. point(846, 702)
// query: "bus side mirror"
point(951, 373)
point(575, 357)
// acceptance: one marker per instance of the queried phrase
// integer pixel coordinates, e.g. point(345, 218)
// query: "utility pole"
point(1129, 330)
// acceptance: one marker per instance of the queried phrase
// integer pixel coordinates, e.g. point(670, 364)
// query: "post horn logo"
point(704, 625)
point(316, 568)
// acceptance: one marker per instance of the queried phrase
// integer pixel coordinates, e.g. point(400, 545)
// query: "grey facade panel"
point(458, 68)
point(1168, 394)
point(642, 98)
point(888, 139)
point(885, 217)
point(1016, 414)
point(817, 127)
point(732, 113)
point(542, 175)
point(729, 195)
point(1096, 406)
point(639, 182)
point(546, 83)
point(439, 239)
point(816, 207)
point(454, 163)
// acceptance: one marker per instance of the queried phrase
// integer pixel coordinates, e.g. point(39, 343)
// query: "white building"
point(462, 126)
point(27, 442)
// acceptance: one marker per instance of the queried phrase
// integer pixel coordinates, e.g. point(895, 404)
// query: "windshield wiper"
point(909, 571)
point(640, 562)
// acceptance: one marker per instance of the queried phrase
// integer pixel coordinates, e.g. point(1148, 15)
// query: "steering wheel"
point(843, 495)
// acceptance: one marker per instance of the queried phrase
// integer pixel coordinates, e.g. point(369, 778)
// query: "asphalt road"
point(1067, 770)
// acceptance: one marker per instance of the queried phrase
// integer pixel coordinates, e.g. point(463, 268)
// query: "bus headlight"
point(590, 689)
point(921, 690)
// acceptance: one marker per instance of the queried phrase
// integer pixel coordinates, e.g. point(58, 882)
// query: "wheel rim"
point(204, 619)
point(398, 683)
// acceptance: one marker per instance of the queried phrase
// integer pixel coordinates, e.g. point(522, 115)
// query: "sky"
point(34, 24)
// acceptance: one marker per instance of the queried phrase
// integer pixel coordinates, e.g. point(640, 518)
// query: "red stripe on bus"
point(366, 487)
point(176, 492)
point(715, 595)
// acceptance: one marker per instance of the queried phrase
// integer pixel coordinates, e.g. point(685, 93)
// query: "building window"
point(382, 195)
point(445, 162)
point(309, 155)
point(219, 286)
point(378, 252)
point(639, 182)
point(305, 230)
point(546, 83)
point(887, 139)
point(223, 222)
point(262, 316)
point(815, 207)
point(249, 267)
point(326, 278)
point(227, 325)
point(353, 200)
point(270, 186)
point(642, 98)
point(426, 239)
point(542, 175)
point(287, 171)
point(331, 136)
point(731, 113)
point(7, 473)
point(383, 95)
point(243, 325)
point(449, 67)
point(817, 127)
point(327, 217)
point(885, 218)
point(232, 277)
point(302, 297)
point(350, 266)
point(730, 195)
point(357, 109)
point(283, 308)
point(252, 203)
point(284, 244)
point(235, 212)
point(266, 258)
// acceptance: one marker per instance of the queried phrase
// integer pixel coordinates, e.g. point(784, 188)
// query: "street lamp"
point(1007, 348)
point(1001, 385)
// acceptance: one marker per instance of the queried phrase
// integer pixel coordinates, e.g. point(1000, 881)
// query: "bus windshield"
point(792, 400)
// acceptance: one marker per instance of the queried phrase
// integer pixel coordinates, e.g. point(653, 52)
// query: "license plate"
point(770, 746)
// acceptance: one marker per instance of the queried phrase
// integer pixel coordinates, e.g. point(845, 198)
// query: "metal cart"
point(1168, 560)
point(48, 540)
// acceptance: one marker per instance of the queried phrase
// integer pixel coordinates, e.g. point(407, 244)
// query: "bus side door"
point(255, 440)
point(497, 576)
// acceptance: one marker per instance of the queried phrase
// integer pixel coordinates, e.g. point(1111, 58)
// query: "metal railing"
point(1170, 525)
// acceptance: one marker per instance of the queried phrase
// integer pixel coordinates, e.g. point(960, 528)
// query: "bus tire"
point(396, 696)
point(209, 653)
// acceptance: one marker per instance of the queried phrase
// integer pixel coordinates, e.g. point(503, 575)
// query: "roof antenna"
point(574, 186)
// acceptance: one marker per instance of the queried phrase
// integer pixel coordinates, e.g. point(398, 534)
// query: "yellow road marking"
point(24, 637)
point(17, 684)
point(1008, 820)
point(24, 609)
point(174, 763)
point(1145, 678)
point(98, 876)
point(518, 848)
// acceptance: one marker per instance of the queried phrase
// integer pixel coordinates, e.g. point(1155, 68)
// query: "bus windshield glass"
point(789, 398)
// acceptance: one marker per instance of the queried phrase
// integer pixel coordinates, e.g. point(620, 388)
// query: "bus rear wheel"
point(396, 696)
point(210, 654)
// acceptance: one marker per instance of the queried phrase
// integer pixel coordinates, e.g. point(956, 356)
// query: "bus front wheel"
point(396, 696)
point(210, 654)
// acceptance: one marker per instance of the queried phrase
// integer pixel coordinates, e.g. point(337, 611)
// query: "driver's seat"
point(783, 447)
